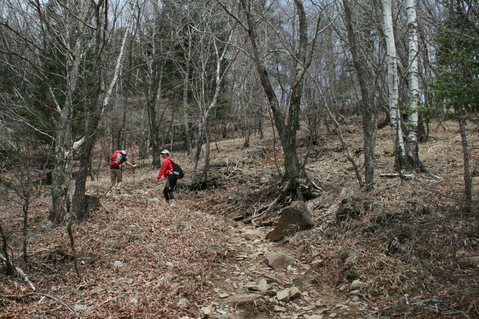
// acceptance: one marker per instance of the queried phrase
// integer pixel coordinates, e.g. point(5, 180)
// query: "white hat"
point(165, 152)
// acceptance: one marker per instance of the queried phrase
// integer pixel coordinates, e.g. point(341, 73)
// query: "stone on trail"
point(293, 218)
point(244, 299)
point(279, 260)
point(304, 280)
point(288, 294)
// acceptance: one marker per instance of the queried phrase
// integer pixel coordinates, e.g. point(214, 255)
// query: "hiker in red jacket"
point(166, 171)
point(117, 160)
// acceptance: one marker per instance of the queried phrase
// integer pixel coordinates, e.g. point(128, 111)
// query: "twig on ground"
point(234, 169)
point(25, 278)
point(106, 301)
point(72, 246)
point(34, 294)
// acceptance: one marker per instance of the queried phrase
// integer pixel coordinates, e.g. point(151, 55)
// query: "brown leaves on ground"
point(139, 257)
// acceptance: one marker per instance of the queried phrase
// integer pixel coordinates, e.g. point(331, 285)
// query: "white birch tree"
point(393, 89)
point(412, 130)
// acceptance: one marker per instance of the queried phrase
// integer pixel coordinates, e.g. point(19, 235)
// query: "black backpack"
point(178, 171)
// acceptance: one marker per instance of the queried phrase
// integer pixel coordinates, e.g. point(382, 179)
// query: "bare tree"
point(357, 27)
point(154, 45)
point(62, 45)
point(286, 117)
point(63, 26)
point(207, 104)
point(99, 100)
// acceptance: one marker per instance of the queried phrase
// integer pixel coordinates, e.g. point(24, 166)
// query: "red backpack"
point(115, 159)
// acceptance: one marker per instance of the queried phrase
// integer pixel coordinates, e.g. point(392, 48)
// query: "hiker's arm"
point(129, 164)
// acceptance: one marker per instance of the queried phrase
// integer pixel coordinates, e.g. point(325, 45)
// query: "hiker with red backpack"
point(167, 171)
point(117, 160)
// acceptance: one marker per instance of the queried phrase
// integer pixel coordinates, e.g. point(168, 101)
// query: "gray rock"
point(283, 295)
point(183, 303)
point(251, 285)
point(468, 261)
point(356, 285)
point(263, 285)
point(294, 293)
point(293, 218)
point(304, 281)
point(279, 308)
point(288, 294)
point(244, 299)
point(207, 311)
point(252, 234)
point(279, 261)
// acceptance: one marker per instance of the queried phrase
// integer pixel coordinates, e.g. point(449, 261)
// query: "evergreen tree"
point(457, 82)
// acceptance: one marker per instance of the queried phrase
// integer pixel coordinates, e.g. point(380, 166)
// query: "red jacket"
point(166, 168)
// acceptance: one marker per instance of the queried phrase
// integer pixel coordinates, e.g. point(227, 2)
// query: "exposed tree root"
point(292, 189)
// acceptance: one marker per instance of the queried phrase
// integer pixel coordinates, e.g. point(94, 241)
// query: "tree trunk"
point(79, 201)
point(186, 84)
point(393, 89)
point(186, 120)
point(154, 134)
point(204, 129)
point(368, 105)
point(62, 172)
point(412, 147)
point(286, 123)
point(154, 119)
point(79, 206)
point(206, 166)
point(465, 152)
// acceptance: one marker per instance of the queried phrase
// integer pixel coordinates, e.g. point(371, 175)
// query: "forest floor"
point(409, 251)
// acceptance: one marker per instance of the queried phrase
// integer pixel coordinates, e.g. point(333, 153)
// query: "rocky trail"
point(216, 267)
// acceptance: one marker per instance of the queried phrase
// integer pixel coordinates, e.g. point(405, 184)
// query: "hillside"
point(406, 249)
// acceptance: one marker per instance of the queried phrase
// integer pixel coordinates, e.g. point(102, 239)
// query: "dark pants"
point(170, 185)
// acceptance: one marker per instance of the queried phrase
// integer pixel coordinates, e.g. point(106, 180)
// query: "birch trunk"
point(412, 134)
point(393, 90)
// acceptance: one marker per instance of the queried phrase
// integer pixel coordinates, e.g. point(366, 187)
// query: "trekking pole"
point(111, 185)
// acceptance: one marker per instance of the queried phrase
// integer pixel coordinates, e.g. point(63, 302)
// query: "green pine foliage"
point(457, 85)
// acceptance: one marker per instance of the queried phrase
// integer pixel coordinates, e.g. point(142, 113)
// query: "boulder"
point(293, 218)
